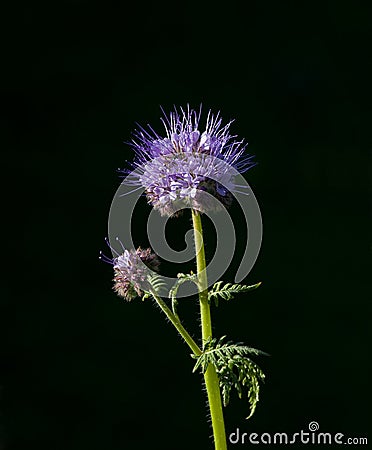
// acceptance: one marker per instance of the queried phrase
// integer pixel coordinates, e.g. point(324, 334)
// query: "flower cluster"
point(177, 170)
point(131, 271)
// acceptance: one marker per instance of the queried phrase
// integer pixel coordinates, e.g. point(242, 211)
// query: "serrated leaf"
point(157, 284)
point(234, 369)
point(228, 290)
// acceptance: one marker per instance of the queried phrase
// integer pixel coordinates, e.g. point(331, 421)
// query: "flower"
point(178, 170)
point(132, 269)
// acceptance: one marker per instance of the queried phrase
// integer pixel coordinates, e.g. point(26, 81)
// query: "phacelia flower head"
point(177, 169)
point(131, 271)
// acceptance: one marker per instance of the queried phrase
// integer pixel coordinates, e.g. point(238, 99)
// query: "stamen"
point(111, 247)
point(105, 258)
point(122, 245)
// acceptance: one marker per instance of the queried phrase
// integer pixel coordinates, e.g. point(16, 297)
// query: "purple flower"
point(176, 170)
point(131, 271)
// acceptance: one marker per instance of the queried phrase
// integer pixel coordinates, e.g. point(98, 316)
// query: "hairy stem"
point(177, 323)
point(210, 376)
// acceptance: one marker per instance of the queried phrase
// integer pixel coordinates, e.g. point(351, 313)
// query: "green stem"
point(210, 376)
point(176, 322)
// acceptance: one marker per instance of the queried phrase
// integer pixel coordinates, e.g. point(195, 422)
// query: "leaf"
point(156, 282)
point(234, 369)
point(227, 291)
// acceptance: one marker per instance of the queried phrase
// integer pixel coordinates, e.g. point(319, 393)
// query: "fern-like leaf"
point(157, 284)
point(234, 369)
point(228, 290)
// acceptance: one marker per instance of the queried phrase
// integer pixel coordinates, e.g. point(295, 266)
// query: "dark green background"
point(81, 369)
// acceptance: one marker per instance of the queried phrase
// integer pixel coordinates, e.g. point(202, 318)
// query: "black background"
point(80, 368)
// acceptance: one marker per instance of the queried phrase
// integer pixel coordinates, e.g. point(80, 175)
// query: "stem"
point(174, 308)
point(176, 322)
point(210, 376)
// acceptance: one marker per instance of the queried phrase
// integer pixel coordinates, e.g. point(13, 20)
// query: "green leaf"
point(234, 369)
point(227, 291)
point(157, 284)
